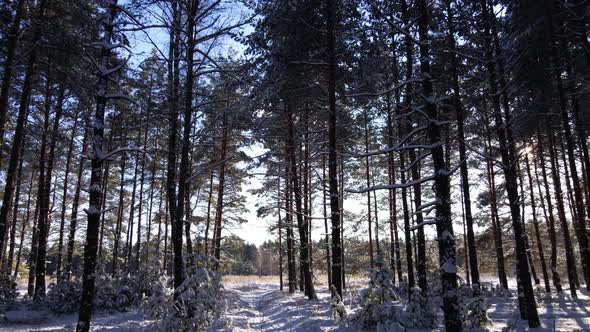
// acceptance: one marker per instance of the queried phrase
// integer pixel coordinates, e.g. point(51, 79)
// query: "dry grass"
point(320, 280)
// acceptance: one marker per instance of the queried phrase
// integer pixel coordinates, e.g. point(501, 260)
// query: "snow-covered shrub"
point(401, 289)
point(199, 299)
point(418, 313)
point(104, 293)
point(148, 277)
point(499, 291)
point(64, 297)
point(542, 296)
point(126, 293)
point(377, 301)
point(338, 308)
point(154, 305)
point(465, 293)
point(476, 313)
point(7, 288)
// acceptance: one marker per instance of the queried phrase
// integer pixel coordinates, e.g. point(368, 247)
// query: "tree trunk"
point(526, 235)
point(148, 242)
point(64, 200)
point(173, 201)
point(496, 223)
point(460, 115)
point(221, 188)
point(325, 209)
point(11, 45)
point(368, 179)
point(119, 223)
point(550, 219)
point(41, 193)
point(209, 200)
point(44, 206)
point(337, 253)
point(94, 204)
point(24, 225)
point(19, 130)
point(580, 223)
point(569, 252)
point(33, 253)
point(302, 226)
point(444, 225)
point(290, 246)
point(536, 226)
point(141, 183)
point(131, 220)
point(75, 204)
point(10, 260)
point(280, 228)
point(526, 299)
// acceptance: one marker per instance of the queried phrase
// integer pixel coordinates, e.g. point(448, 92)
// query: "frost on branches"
point(199, 299)
point(378, 301)
point(418, 313)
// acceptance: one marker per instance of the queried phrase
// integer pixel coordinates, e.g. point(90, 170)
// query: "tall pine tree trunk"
point(536, 225)
point(64, 200)
point(444, 224)
point(44, 207)
point(94, 204)
point(75, 204)
point(11, 45)
point(526, 299)
point(303, 231)
point(19, 131)
point(337, 253)
point(550, 219)
point(569, 252)
point(173, 100)
point(460, 115)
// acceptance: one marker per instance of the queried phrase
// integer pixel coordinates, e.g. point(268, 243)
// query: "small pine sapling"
point(418, 313)
point(475, 315)
point(377, 301)
point(338, 308)
point(64, 297)
point(7, 288)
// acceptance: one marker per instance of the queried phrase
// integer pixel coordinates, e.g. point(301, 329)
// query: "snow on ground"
point(39, 320)
point(263, 307)
point(257, 304)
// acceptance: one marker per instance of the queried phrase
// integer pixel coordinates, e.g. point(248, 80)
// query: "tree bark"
point(302, 226)
point(536, 226)
point(93, 212)
point(173, 201)
point(460, 115)
point(19, 131)
point(221, 188)
point(75, 204)
point(337, 253)
point(64, 200)
point(569, 252)
point(368, 179)
point(526, 299)
point(550, 219)
point(11, 46)
point(444, 224)
point(325, 209)
point(44, 206)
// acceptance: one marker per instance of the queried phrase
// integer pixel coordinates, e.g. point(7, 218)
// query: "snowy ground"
point(257, 304)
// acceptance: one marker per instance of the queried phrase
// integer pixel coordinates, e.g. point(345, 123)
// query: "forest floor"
point(257, 304)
